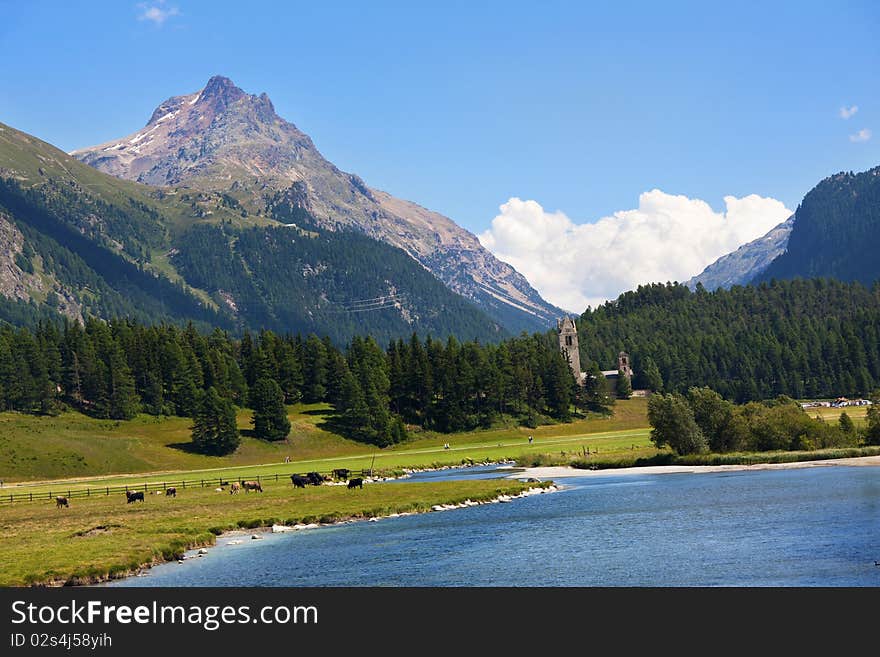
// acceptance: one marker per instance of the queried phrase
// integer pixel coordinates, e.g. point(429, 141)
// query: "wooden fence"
point(146, 487)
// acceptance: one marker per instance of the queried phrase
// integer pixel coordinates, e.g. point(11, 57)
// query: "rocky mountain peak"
point(226, 140)
point(215, 98)
point(220, 92)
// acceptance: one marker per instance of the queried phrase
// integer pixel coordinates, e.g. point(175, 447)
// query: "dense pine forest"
point(120, 368)
point(64, 241)
point(123, 258)
point(835, 232)
point(338, 284)
point(802, 338)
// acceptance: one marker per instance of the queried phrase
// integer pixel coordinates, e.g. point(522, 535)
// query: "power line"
point(367, 305)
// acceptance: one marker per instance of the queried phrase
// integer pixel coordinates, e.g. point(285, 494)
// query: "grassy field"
point(73, 450)
point(102, 537)
point(856, 413)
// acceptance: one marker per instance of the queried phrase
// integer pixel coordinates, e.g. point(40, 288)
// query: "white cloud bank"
point(667, 238)
point(848, 112)
point(862, 135)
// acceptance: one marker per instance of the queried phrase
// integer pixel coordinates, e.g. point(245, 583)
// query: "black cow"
point(315, 478)
point(341, 473)
point(61, 501)
point(134, 496)
point(171, 492)
point(298, 481)
point(356, 483)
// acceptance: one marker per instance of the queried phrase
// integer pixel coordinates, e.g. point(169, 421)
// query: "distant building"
point(568, 343)
point(566, 329)
point(612, 375)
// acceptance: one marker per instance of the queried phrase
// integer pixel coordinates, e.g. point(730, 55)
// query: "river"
point(794, 527)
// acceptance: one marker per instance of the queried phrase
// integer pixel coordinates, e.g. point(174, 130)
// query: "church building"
point(568, 343)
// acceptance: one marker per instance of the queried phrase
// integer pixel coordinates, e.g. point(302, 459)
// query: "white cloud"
point(157, 12)
point(862, 135)
point(847, 112)
point(667, 238)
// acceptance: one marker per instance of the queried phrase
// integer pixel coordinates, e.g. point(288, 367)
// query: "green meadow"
point(103, 537)
point(74, 451)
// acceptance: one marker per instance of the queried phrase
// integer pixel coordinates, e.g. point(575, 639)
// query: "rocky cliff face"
point(223, 139)
point(747, 262)
point(22, 276)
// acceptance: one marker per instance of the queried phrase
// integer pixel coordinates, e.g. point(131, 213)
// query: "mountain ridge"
point(222, 139)
point(83, 243)
point(834, 233)
point(749, 260)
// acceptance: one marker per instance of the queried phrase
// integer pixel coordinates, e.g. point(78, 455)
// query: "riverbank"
point(556, 472)
point(239, 537)
point(102, 538)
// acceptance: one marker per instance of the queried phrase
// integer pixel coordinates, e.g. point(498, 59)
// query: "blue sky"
point(461, 106)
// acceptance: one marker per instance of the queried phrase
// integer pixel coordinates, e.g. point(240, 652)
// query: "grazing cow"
point(134, 496)
point(61, 501)
point(341, 473)
point(299, 481)
point(251, 485)
point(315, 478)
point(171, 492)
point(234, 488)
point(356, 483)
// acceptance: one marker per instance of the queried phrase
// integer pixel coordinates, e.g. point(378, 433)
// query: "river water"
point(815, 526)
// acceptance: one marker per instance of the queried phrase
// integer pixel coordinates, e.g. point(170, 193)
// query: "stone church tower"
point(623, 364)
point(568, 343)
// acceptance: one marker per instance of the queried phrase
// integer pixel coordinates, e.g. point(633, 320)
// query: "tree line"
point(120, 368)
point(801, 338)
point(703, 421)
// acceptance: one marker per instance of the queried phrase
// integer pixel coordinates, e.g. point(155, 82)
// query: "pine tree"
point(560, 386)
point(418, 385)
point(270, 416)
point(352, 407)
point(290, 374)
point(624, 387)
point(152, 396)
point(314, 358)
point(123, 401)
point(653, 378)
point(336, 369)
point(846, 424)
point(214, 426)
point(185, 392)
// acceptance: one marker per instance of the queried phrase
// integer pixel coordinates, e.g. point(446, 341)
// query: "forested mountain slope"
point(222, 140)
point(82, 243)
point(836, 233)
point(803, 338)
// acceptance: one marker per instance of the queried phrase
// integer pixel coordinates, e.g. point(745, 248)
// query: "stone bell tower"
point(568, 343)
point(623, 364)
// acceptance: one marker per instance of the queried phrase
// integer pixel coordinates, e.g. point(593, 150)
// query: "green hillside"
point(802, 338)
point(836, 232)
point(82, 243)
